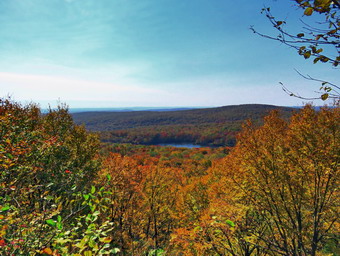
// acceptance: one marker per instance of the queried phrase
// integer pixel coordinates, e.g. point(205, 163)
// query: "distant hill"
point(108, 121)
point(126, 109)
point(205, 127)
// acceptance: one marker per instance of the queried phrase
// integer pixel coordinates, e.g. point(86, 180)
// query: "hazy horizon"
point(100, 106)
point(156, 109)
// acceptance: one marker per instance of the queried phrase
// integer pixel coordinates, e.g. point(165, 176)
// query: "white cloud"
point(100, 90)
point(42, 87)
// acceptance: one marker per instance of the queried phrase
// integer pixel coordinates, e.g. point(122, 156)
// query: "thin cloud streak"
point(51, 87)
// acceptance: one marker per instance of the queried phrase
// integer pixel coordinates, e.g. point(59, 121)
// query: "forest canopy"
point(64, 193)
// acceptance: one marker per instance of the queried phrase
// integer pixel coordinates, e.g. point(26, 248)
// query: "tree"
point(289, 174)
point(126, 204)
point(46, 166)
point(318, 41)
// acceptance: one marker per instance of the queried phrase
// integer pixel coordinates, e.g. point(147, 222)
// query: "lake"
point(179, 145)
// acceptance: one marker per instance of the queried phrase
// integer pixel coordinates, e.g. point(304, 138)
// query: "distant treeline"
point(205, 134)
point(207, 127)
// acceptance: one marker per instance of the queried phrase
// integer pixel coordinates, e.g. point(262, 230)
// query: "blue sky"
point(121, 53)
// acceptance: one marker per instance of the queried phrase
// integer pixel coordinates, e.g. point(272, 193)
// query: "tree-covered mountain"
point(209, 127)
point(106, 121)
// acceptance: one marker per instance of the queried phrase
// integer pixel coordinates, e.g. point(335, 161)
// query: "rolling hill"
point(107, 121)
point(207, 127)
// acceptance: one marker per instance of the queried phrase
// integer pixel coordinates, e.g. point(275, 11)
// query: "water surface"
point(179, 145)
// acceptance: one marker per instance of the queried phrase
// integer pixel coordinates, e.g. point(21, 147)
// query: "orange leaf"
point(47, 251)
point(2, 242)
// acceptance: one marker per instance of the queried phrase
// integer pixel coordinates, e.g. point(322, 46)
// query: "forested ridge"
point(207, 127)
point(62, 192)
point(106, 121)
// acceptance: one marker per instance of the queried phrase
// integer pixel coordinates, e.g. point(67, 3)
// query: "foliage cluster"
point(46, 163)
point(204, 135)
point(274, 193)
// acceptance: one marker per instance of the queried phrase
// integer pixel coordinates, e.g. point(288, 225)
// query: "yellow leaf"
point(106, 239)
point(47, 251)
point(324, 96)
point(306, 55)
point(88, 253)
point(308, 11)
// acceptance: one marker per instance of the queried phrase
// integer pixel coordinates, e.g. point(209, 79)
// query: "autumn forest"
point(251, 180)
point(65, 192)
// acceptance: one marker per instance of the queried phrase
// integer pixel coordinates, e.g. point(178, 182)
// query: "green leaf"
point(93, 208)
point(82, 243)
point(230, 223)
point(88, 253)
point(9, 156)
point(51, 222)
point(5, 208)
point(115, 250)
point(49, 197)
point(108, 177)
point(92, 243)
point(59, 226)
point(158, 252)
point(86, 197)
point(93, 189)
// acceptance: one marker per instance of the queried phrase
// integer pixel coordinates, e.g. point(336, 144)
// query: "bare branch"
point(313, 38)
point(308, 77)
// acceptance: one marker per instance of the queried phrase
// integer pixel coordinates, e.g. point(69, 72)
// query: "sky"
point(150, 53)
